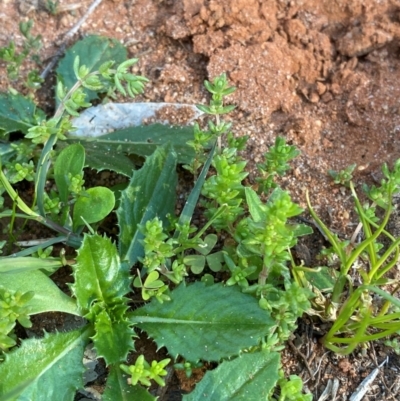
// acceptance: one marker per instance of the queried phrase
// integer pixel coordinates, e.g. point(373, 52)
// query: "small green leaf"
point(94, 205)
point(205, 322)
point(71, 161)
point(208, 244)
point(118, 389)
point(215, 261)
point(324, 279)
point(250, 377)
point(196, 263)
point(256, 207)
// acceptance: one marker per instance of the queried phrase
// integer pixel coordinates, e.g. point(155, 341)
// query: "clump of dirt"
point(319, 73)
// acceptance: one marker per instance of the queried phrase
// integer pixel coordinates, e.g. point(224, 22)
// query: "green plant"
point(240, 323)
point(52, 6)
point(366, 311)
point(14, 60)
point(343, 177)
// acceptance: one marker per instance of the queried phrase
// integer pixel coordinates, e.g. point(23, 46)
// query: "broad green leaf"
point(151, 192)
point(71, 161)
point(143, 140)
point(20, 264)
point(93, 51)
point(117, 388)
point(48, 297)
point(18, 113)
point(48, 368)
point(205, 322)
point(92, 206)
point(114, 335)
point(250, 377)
point(99, 274)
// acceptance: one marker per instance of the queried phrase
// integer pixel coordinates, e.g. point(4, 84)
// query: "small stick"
point(69, 35)
point(303, 357)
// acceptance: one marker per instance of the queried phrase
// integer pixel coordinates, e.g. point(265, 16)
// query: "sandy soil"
point(324, 74)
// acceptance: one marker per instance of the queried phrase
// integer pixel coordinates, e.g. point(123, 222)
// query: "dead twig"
point(303, 358)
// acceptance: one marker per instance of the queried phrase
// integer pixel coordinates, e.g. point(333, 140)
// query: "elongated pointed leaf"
point(48, 297)
point(93, 51)
point(99, 274)
point(118, 389)
point(191, 203)
point(250, 377)
point(20, 264)
point(256, 207)
point(205, 322)
point(48, 368)
point(151, 192)
point(18, 113)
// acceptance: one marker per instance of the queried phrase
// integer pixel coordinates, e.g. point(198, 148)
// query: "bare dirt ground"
point(322, 73)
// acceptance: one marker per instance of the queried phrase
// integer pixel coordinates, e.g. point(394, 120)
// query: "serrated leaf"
point(18, 113)
point(118, 389)
point(104, 151)
point(93, 51)
point(99, 274)
point(48, 368)
point(143, 140)
point(113, 338)
point(70, 161)
point(151, 192)
point(93, 206)
point(205, 322)
point(101, 156)
point(250, 377)
point(48, 297)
